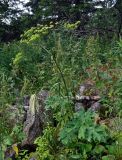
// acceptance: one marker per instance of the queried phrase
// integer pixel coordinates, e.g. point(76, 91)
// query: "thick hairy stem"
point(62, 76)
point(59, 69)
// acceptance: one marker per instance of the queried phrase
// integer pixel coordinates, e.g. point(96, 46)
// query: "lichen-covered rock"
point(87, 97)
point(36, 117)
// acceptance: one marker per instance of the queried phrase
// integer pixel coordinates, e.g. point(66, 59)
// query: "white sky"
point(25, 10)
point(108, 4)
point(18, 6)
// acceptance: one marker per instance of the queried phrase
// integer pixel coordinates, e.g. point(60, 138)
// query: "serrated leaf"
point(108, 157)
point(99, 149)
point(81, 133)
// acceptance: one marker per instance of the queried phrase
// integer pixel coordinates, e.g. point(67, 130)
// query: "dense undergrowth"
point(56, 60)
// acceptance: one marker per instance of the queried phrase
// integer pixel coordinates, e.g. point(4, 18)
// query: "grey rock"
point(36, 117)
point(87, 98)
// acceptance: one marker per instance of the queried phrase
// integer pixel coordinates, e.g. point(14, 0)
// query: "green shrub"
point(53, 58)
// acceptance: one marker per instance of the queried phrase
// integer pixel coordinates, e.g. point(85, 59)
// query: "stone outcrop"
point(36, 117)
point(87, 97)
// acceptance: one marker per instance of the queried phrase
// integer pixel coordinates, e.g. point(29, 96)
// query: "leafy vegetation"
point(54, 56)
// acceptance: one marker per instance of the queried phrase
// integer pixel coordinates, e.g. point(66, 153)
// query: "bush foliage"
point(54, 58)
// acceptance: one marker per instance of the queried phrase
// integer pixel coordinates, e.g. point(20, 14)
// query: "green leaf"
point(108, 157)
point(76, 156)
point(8, 141)
point(81, 133)
point(99, 149)
point(85, 147)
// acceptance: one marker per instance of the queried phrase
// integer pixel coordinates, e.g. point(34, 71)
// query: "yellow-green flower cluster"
point(71, 26)
point(36, 33)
